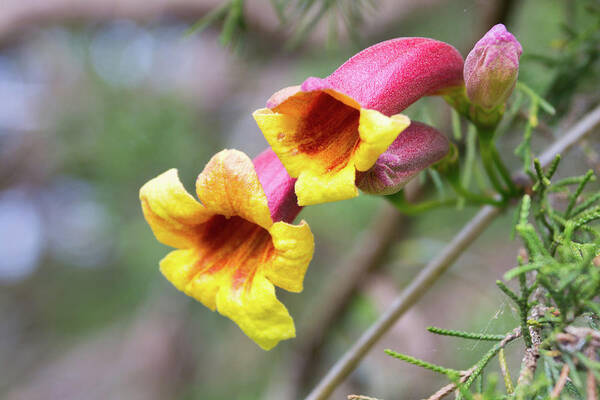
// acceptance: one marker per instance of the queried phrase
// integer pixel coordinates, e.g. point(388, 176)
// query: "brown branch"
point(148, 356)
point(493, 13)
point(572, 338)
point(591, 156)
point(449, 388)
point(18, 15)
point(505, 372)
point(443, 392)
point(562, 381)
point(592, 393)
point(532, 354)
point(367, 254)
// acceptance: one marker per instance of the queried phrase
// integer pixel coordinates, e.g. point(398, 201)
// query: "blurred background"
point(99, 96)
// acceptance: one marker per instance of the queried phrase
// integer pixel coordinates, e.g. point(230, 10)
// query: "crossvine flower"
point(326, 130)
point(237, 243)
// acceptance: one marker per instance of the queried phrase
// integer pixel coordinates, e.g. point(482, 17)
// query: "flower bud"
point(491, 68)
point(415, 149)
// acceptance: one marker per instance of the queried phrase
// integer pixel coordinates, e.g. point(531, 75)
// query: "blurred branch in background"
point(343, 19)
point(495, 12)
point(367, 254)
point(294, 21)
point(142, 359)
point(20, 15)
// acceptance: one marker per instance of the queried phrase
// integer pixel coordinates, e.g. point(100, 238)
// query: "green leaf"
point(420, 363)
point(209, 19)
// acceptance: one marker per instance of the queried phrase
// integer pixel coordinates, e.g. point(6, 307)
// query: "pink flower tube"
point(278, 187)
point(326, 130)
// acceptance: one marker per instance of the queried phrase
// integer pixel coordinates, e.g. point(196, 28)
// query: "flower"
point(236, 243)
point(492, 67)
point(327, 129)
point(417, 148)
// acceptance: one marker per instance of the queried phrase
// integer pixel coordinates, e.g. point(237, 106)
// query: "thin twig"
point(577, 132)
point(423, 281)
point(367, 253)
point(591, 386)
point(434, 269)
point(592, 393)
point(465, 375)
point(532, 353)
point(444, 391)
point(505, 372)
point(449, 388)
point(562, 381)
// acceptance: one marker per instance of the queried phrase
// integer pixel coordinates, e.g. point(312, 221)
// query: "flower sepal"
point(417, 148)
point(485, 119)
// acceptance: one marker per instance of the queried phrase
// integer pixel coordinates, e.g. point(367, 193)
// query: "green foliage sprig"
point(465, 335)
point(559, 285)
point(302, 15)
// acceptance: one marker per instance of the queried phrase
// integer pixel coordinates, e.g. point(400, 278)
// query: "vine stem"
point(503, 170)
point(475, 198)
point(487, 158)
point(434, 269)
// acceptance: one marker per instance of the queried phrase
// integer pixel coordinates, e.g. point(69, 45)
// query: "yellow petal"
point(257, 312)
point(294, 245)
point(377, 132)
point(275, 128)
point(206, 285)
point(233, 269)
point(315, 188)
point(311, 130)
point(184, 270)
point(173, 214)
point(229, 186)
point(314, 135)
point(178, 267)
point(230, 251)
point(322, 137)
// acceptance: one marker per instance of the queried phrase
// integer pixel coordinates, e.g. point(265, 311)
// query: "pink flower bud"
point(491, 68)
point(417, 148)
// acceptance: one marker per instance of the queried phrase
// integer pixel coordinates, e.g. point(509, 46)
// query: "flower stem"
point(486, 148)
point(399, 201)
point(503, 171)
point(473, 197)
point(510, 388)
